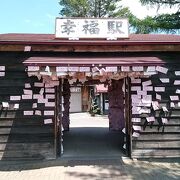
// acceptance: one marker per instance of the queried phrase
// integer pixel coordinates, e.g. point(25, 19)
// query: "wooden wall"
point(158, 139)
point(22, 136)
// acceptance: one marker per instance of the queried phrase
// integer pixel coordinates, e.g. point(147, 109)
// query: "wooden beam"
point(93, 48)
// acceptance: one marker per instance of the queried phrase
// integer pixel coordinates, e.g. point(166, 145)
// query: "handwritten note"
point(147, 99)
point(136, 119)
point(111, 69)
point(61, 69)
point(50, 96)
point(84, 69)
point(147, 83)
point(16, 106)
point(33, 68)
point(28, 113)
point(137, 68)
point(177, 73)
point(164, 120)
point(48, 121)
point(50, 90)
point(37, 84)
point(147, 88)
point(137, 128)
point(38, 112)
point(27, 96)
point(42, 100)
point(2, 74)
point(38, 96)
point(164, 80)
point(15, 98)
point(174, 98)
point(162, 69)
point(2, 68)
point(34, 105)
point(136, 81)
point(151, 69)
point(48, 113)
point(135, 134)
point(135, 88)
point(165, 109)
point(5, 104)
point(177, 82)
point(150, 119)
point(27, 91)
point(50, 104)
point(172, 105)
point(41, 92)
point(155, 105)
point(27, 85)
point(158, 96)
point(73, 69)
point(149, 73)
point(159, 89)
point(177, 91)
point(125, 68)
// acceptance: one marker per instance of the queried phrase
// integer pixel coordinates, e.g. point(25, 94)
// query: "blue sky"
point(28, 16)
point(38, 16)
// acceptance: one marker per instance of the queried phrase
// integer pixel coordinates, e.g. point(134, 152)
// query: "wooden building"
point(148, 66)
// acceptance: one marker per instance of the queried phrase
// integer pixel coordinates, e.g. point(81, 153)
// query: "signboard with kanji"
point(92, 28)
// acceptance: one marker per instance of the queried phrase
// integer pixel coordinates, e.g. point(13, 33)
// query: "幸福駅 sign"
point(92, 28)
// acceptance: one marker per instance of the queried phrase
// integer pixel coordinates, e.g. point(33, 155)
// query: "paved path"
point(94, 167)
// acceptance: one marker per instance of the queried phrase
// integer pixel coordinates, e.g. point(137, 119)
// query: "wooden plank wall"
point(22, 136)
point(157, 139)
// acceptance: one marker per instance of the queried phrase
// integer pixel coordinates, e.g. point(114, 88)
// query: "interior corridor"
point(89, 137)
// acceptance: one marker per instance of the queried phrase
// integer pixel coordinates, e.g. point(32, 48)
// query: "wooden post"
point(128, 123)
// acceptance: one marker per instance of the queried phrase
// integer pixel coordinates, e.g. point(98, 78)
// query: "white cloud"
point(142, 11)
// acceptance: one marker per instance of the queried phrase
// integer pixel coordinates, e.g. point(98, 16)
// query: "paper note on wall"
point(159, 89)
point(158, 96)
point(147, 83)
point(15, 98)
point(137, 128)
point(37, 84)
point(136, 119)
point(137, 68)
point(149, 73)
point(136, 81)
point(135, 88)
point(84, 69)
point(177, 73)
point(150, 119)
point(73, 69)
point(155, 105)
point(165, 109)
point(16, 106)
point(142, 93)
point(164, 120)
point(151, 69)
point(124, 130)
point(2, 68)
point(61, 69)
point(33, 68)
point(111, 69)
point(48, 121)
point(162, 69)
point(5, 104)
point(164, 80)
point(135, 134)
point(27, 96)
point(50, 90)
point(174, 98)
point(27, 85)
point(2, 74)
point(27, 91)
point(48, 113)
point(50, 104)
point(125, 68)
point(34, 105)
point(50, 96)
point(28, 113)
point(172, 105)
point(38, 112)
point(147, 88)
point(147, 99)
point(177, 91)
point(177, 82)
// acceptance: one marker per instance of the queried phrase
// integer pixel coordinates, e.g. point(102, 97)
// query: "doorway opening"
point(100, 135)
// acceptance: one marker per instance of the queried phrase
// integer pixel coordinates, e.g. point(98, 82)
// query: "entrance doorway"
point(89, 137)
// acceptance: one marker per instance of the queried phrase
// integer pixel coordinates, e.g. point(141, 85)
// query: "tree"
point(164, 22)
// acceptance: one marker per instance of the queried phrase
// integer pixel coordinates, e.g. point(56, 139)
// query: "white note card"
point(155, 105)
point(15, 98)
point(137, 68)
point(135, 88)
point(177, 82)
point(29, 96)
point(136, 81)
point(50, 104)
point(164, 80)
point(174, 98)
point(27, 91)
point(143, 93)
point(84, 69)
point(27, 85)
point(73, 69)
point(165, 109)
point(135, 134)
point(177, 91)
point(162, 69)
point(50, 90)
point(136, 119)
point(147, 88)
point(48, 113)
point(137, 128)
point(5, 104)
point(28, 113)
point(159, 89)
point(177, 73)
point(124, 130)
point(150, 119)
point(37, 84)
point(33, 68)
point(151, 69)
point(61, 69)
point(2, 74)
point(111, 69)
point(150, 73)
point(164, 120)
point(172, 105)
point(38, 112)
point(125, 68)
point(158, 96)
point(147, 83)
point(16, 106)
point(48, 121)
point(34, 105)
point(2, 68)
point(50, 96)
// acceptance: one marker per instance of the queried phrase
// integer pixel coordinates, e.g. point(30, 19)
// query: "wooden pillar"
point(66, 96)
point(128, 123)
point(116, 105)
